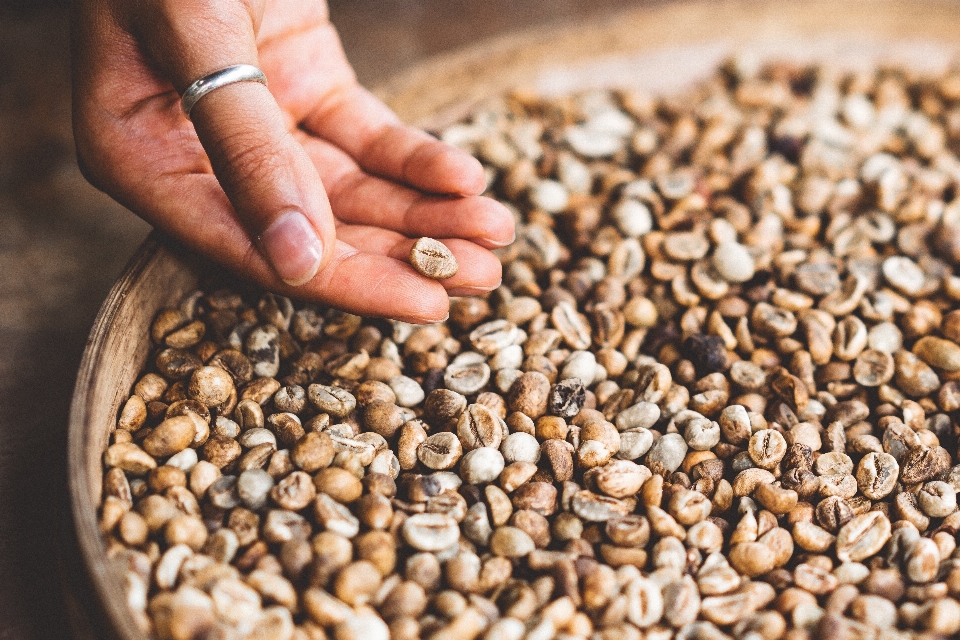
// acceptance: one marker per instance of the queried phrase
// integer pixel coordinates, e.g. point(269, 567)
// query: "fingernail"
point(512, 239)
point(472, 291)
point(292, 248)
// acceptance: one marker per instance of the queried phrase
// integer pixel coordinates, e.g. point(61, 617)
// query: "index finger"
point(354, 119)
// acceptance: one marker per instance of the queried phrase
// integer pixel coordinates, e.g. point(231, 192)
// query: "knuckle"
point(244, 157)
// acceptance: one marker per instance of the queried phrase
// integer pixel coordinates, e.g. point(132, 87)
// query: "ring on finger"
point(217, 79)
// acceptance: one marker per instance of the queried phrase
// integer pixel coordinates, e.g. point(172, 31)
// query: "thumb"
point(268, 177)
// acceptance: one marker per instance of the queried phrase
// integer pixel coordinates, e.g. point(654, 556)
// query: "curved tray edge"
point(118, 329)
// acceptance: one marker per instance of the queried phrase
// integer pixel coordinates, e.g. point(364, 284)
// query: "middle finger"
point(479, 270)
point(359, 198)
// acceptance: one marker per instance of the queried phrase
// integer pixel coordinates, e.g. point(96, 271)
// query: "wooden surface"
point(158, 277)
point(657, 48)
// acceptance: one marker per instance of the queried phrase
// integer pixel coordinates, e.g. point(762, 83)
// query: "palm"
point(150, 157)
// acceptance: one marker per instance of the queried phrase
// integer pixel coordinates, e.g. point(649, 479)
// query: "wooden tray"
point(660, 48)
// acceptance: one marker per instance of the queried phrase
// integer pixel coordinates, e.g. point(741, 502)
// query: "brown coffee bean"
point(294, 492)
point(313, 452)
point(778, 500)
point(338, 402)
point(530, 394)
point(443, 405)
point(766, 448)
point(923, 463)
point(221, 451)
point(567, 398)
point(832, 513)
point(862, 537)
point(621, 478)
point(540, 497)
point(384, 418)
point(172, 435)
point(433, 259)
point(478, 427)
point(466, 378)
point(596, 508)
point(873, 368)
point(573, 326)
point(559, 456)
point(440, 451)
point(877, 475)
point(339, 484)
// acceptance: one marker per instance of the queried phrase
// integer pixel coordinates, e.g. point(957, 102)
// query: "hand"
point(312, 188)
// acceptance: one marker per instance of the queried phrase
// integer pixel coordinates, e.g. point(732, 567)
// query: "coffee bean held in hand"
point(716, 395)
point(433, 259)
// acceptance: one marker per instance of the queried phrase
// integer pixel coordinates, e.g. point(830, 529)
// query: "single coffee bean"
point(433, 259)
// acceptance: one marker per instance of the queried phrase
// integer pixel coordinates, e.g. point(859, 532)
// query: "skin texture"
point(311, 187)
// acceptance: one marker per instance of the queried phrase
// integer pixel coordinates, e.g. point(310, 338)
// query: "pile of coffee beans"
point(716, 395)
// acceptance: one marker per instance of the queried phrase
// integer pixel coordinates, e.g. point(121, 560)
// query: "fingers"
point(360, 124)
point(270, 181)
point(367, 274)
point(359, 198)
point(479, 270)
point(376, 285)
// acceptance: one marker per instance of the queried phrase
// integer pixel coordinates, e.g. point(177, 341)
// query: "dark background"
point(62, 245)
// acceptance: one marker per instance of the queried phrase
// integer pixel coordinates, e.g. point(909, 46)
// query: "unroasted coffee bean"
point(440, 451)
point(171, 436)
point(595, 508)
point(479, 427)
point(384, 418)
point(833, 512)
point(340, 484)
point(211, 386)
point(493, 337)
point(511, 542)
point(621, 478)
point(177, 364)
point(573, 327)
point(643, 602)
point(530, 394)
point(339, 403)
point(335, 517)
point(466, 378)
point(294, 492)
point(939, 353)
point(442, 405)
point(713, 396)
point(777, 500)
point(766, 448)
point(862, 536)
point(873, 368)
point(559, 457)
point(937, 499)
point(481, 465)
point(433, 259)
point(430, 531)
point(877, 475)
point(922, 463)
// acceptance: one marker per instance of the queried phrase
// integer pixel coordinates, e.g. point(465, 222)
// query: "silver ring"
point(217, 79)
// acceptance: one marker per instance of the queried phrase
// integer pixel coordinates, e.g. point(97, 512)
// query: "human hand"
point(312, 188)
